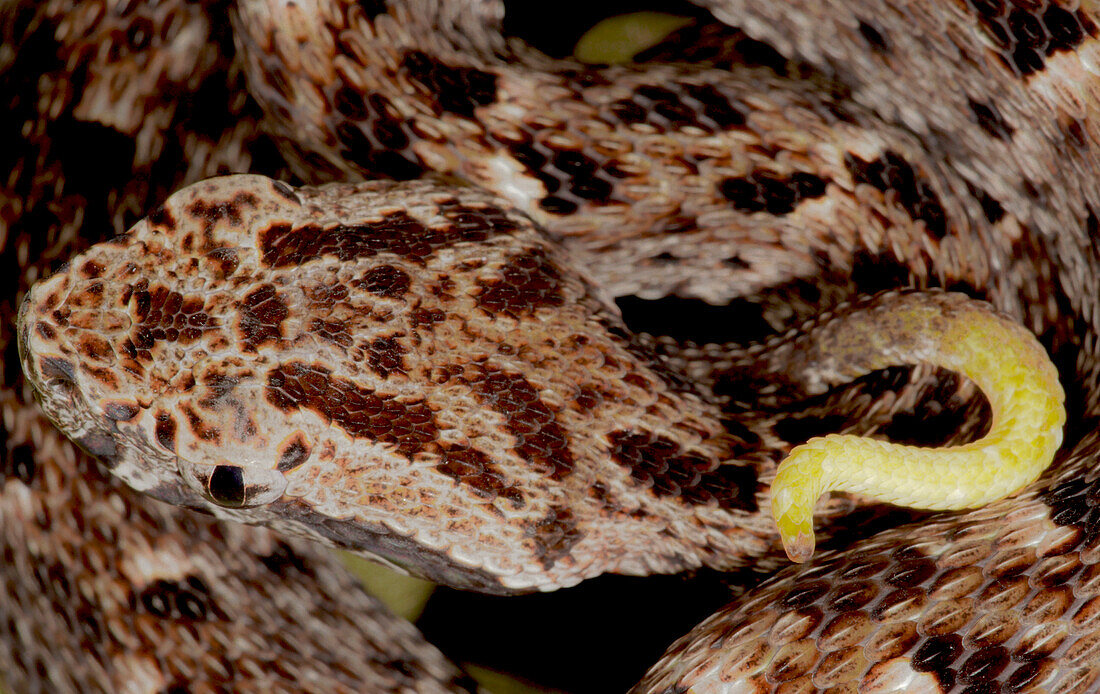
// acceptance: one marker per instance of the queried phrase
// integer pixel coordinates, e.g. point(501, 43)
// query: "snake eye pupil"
point(227, 485)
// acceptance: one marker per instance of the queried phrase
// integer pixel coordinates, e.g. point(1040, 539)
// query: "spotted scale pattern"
point(1006, 151)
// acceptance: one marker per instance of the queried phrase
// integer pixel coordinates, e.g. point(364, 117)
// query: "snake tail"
point(1001, 357)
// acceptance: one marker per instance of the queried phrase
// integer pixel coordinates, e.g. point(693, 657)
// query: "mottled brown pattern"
point(163, 315)
point(663, 466)
point(385, 280)
point(869, 146)
point(527, 282)
point(262, 312)
point(540, 438)
point(102, 590)
point(409, 425)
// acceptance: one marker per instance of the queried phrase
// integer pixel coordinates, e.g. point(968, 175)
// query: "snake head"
point(408, 370)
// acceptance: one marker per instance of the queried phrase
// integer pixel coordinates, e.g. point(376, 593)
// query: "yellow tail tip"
point(799, 547)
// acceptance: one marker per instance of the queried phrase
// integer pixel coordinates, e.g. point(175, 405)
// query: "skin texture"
point(800, 189)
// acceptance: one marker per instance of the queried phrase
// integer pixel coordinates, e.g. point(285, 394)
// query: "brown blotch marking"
point(19, 465)
point(669, 471)
point(914, 192)
point(262, 313)
point(1024, 35)
point(187, 600)
point(88, 296)
point(224, 260)
point(408, 425)
point(45, 331)
point(283, 559)
point(102, 374)
point(293, 452)
point(397, 233)
point(555, 535)
point(528, 281)
point(201, 429)
point(676, 105)
point(540, 439)
point(993, 210)
point(228, 210)
point(385, 356)
point(1076, 503)
point(162, 314)
point(91, 270)
point(165, 430)
point(766, 190)
point(162, 218)
point(453, 89)
point(569, 176)
point(94, 347)
point(374, 135)
point(474, 218)
point(218, 386)
point(385, 280)
point(874, 37)
point(120, 411)
point(588, 399)
point(990, 120)
point(936, 655)
point(472, 468)
point(335, 332)
point(426, 317)
point(362, 413)
point(57, 368)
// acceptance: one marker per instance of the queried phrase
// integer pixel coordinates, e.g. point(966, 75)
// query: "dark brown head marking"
point(119, 411)
point(385, 356)
point(224, 261)
point(166, 430)
point(528, 281)
point(555, 535)
point(362, 413)
point(385, 280)
point(162, 219)
point(473, 469)
point(202, 430)
point(540, 439)
point(262, 313)
point(669, 471)
point(293, 452)
point(162, 315)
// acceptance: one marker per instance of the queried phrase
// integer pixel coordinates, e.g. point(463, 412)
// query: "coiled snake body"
point(925, 145)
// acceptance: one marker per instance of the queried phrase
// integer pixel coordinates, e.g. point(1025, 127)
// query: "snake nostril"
point(58, 376)
point(57, 369)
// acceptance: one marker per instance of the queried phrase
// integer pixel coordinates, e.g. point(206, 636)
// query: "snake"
point(861, 154)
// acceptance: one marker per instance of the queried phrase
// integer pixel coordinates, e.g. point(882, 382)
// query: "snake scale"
point(918, 145)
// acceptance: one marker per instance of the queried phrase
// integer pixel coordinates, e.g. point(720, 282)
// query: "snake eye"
point(235, 486)
point(226, 486)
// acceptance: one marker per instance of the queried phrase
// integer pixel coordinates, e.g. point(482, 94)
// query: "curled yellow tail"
point(954, 332)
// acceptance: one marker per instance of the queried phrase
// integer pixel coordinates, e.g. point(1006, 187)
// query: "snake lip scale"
point(248, 344)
